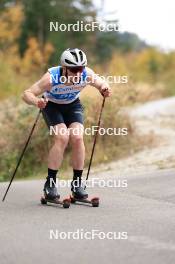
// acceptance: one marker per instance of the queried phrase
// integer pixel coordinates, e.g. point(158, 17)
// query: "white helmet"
point(73, 58)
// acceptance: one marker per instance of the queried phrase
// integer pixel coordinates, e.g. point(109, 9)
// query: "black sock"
point(77, 174)
point(52, 174)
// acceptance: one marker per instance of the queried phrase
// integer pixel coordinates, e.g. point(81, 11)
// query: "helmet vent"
point(75, 55)
point(81, 55)
point(70, 62)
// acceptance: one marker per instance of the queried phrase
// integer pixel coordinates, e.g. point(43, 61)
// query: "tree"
point(37, 17)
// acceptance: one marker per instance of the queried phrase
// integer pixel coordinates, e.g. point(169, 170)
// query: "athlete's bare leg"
point(77, 143)
point(56, 152)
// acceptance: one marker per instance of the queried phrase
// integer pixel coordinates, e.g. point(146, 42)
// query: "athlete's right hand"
point(42, 102)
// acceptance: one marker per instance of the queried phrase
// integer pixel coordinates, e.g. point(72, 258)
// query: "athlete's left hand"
point(105, 91)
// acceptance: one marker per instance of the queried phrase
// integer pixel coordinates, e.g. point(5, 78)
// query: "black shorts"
point(55, 113)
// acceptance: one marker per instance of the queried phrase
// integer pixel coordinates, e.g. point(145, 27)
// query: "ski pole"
point(22, 154)
point(95, 139)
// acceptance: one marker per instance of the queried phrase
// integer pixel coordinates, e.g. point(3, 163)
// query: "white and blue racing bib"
point(61, 93)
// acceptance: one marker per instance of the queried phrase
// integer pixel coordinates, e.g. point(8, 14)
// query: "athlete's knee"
point(76, 139)
point(62, 139)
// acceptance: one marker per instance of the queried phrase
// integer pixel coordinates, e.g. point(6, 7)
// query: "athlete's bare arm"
point(30, 96)
point(97, 82)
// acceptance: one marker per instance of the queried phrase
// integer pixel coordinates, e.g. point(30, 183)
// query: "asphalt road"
point(145, 210)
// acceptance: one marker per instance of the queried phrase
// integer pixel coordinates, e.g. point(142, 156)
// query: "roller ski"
point(51, 196)
point(65, 203)
point(80, 195)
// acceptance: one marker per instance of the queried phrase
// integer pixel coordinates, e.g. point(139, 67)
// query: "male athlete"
point(62, 109)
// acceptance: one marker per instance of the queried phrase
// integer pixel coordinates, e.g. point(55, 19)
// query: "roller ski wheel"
point(65, 203)
point(94, 201)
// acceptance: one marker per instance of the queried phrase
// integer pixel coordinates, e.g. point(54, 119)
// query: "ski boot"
point(80, 195)
point(51, 196)
point(78, 189)
point(50, 192)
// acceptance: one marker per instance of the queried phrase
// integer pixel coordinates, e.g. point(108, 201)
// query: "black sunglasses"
point(76, 69)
